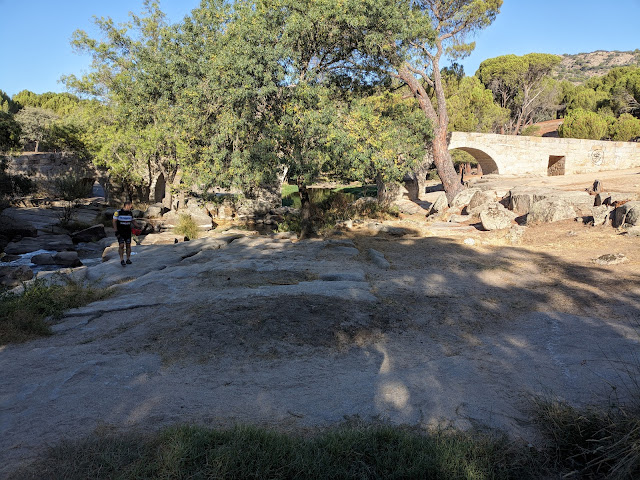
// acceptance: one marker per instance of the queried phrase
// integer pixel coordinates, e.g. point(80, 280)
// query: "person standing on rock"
point(122, 223)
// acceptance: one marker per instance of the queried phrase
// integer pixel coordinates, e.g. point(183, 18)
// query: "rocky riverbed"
point(455, 327)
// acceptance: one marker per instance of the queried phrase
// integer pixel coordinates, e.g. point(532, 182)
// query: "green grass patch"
point(360, 452)
point(23, 316)
point(288, 190)
point(187, 227)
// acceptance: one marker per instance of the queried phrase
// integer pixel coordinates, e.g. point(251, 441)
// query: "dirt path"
point(294, 335)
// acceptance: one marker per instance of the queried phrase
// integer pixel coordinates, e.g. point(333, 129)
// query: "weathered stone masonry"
point(518, 155)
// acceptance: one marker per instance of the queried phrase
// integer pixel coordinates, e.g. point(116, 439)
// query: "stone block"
point(548, 211)
point(496, 217)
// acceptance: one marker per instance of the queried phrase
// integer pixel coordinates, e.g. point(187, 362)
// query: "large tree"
point(35, 124)
point(520, 84)
point(438, 28)
point(472, 107)
point(390, 42)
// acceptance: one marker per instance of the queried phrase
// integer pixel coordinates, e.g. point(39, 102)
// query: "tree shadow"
point(294, 335)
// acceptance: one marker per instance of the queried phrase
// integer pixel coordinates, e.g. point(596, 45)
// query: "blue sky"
point(35, 34)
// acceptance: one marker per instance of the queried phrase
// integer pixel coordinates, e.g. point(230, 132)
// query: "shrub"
point(187, 227)
point(23, 316)
point(530, 131)
point(625, 128)
point(337, 208)
point(581, 123)
point(593, 443)
point(72, 187)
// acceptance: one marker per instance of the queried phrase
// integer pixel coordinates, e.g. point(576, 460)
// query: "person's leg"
point(128, 243)
point(121, 250)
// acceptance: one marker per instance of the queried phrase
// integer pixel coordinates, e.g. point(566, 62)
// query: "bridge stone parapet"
point(520, 155)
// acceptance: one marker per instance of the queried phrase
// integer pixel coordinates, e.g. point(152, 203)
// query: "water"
point(25, 259)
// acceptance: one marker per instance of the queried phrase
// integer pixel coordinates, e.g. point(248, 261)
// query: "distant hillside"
point(582, 66)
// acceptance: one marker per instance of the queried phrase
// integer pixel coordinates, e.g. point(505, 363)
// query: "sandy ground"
point(624, 181)
point(294, 335)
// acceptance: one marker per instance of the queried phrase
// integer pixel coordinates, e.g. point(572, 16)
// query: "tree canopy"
point(244, 94)
point(520, 84)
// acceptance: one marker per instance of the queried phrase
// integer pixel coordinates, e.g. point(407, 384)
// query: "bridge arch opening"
point(487, 163)
point(160, 189)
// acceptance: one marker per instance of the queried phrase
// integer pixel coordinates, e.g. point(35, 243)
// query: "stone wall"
point(45, 168)
point(519, 155)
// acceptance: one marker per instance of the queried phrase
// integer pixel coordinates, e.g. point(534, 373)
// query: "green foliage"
point(10, 132)
point(530, 131)
point(290, 223)
point(472, 108)
point(288, 190)
point(379, 135)
point(333, 207)
point(61, 104)
point(23, 316)
point(625, 128)
point(7, 105)
point(71, 187)
point(360, 451)
point(522, 84)
point(242, 92)
point(35, 124)
point(616, 93)
point(460, 156)
point(187, 227)
point(584, 124)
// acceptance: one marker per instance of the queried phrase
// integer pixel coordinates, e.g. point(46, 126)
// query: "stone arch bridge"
point(519, 155)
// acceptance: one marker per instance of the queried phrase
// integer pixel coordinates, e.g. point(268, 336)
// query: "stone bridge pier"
point(519, 155)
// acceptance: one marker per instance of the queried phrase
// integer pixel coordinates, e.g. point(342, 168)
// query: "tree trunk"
point(444, 165)
point(36, 150)
point(170, 197)
point(440, 121)
point(417, 185)
point(305, 212)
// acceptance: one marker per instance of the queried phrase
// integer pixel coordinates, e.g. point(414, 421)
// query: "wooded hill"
point(581, 67)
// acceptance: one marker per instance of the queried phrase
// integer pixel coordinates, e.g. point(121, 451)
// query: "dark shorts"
point(124, 238)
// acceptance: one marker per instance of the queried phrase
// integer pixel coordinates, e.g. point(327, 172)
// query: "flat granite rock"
point(58, 243)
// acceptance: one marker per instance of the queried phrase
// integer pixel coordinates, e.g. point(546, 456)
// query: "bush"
point(187, 227)
point(593, 443)
point(530, 131)
point(72, 187)
point(326, 214)
point(23, 316)
point(584, 124)
point(625, 128)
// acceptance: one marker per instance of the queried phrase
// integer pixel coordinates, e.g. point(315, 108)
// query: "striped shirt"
point(123, 220)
